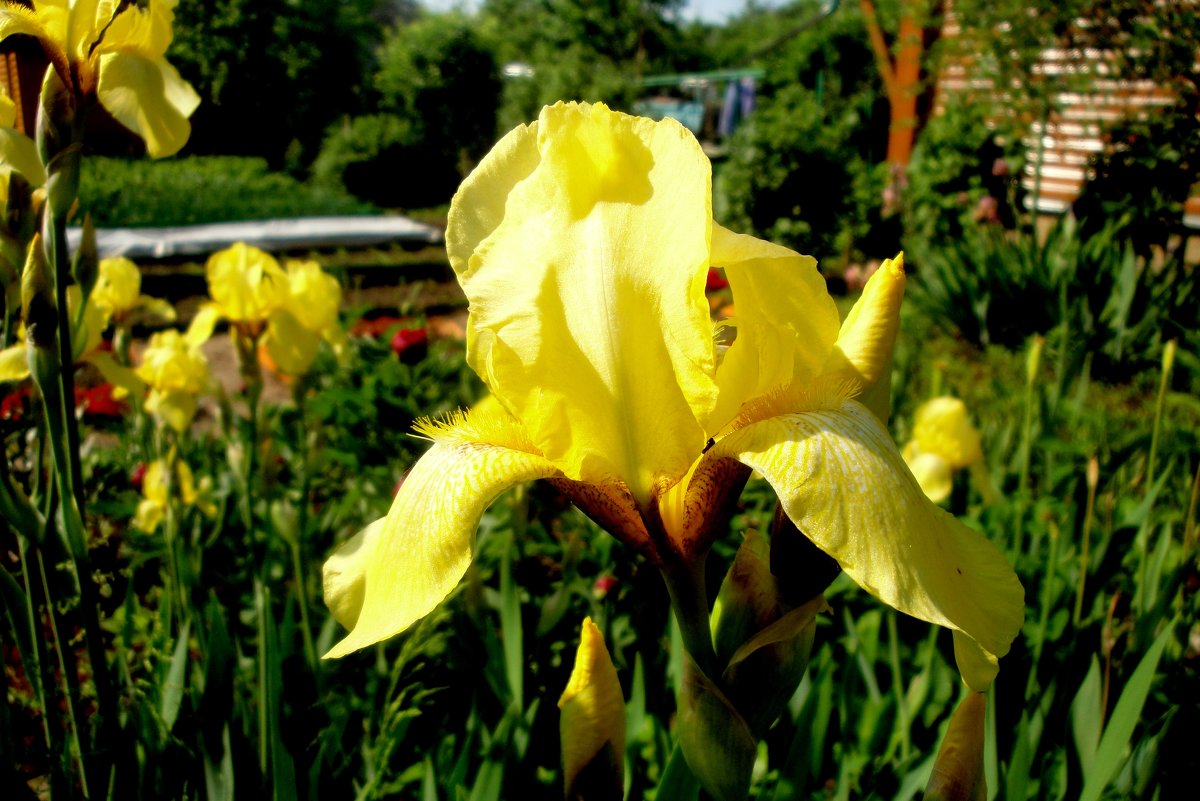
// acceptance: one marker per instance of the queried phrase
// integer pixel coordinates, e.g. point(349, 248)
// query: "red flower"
point(98, 403)
point(410, 344)
point(715, 281)
point(137, 476)
point(603, 586)
point(15, 405)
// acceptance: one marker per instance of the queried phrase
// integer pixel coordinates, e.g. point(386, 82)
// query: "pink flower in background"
point(410, 344)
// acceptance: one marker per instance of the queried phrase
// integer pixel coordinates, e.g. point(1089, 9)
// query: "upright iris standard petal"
point(585, 270)
point(786, 321)
point(862, 355)
point(423, 547)
point(842, 482)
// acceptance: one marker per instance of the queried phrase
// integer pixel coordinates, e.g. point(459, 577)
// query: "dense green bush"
point(438, 92)
point(788, 178)
point(956, 164)
point(384, 159)
point(200, 189)
point(1103, 301)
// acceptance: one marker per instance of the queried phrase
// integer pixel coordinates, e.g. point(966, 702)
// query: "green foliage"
point(384, 159)
point(803, 169)
point(117, 192)
point(272, 73)
point(439, 76)
point(578, 50)
point(992, 286)
point(956, 164)
point(438, 92)
point(777, 160)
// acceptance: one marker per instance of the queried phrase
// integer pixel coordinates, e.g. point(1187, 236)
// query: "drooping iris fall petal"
point(841, 480)
point(421, 550)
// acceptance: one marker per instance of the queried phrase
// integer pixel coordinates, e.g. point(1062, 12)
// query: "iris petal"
point(862, 356)
point(582, 244)
point(423, 547)
point(786, 321)
point(841, 480)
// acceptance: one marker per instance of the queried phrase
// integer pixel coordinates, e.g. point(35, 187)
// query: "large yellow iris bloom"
point(582, 242)
point(114, 51)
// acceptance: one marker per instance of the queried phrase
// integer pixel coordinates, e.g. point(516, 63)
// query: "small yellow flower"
point(114, 52)
point(157, 490)
point(118, 289)
point(177, 373)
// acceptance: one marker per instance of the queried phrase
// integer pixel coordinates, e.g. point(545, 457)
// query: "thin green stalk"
point(1093, 479)
point(905, 719)
point(310, 649)
point(1047, 601)
point(1168, 362)
point(1032, 365)
point(36, 674)
point(59, 259)
point(74, 714)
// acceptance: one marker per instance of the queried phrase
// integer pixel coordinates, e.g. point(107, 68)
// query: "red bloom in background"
point(98, 403)
point(15, 405)
point(411, 344)
point(137, 477)
point(715, 281)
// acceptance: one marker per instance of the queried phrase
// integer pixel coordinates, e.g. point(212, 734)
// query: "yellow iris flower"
point(308, 314)
point(119, 290)
point(943, 441)
point(247, 286)
point(583, 241)
point(156, 492)
point(114, 51)
point(176, 372)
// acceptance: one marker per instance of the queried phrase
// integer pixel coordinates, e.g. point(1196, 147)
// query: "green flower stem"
point(56, 254)
point(38, 657)
point(1160, 405)
point(689, 602)
point(74, 713)
point(247, 348)
point(299, 392)
point(1048, 598)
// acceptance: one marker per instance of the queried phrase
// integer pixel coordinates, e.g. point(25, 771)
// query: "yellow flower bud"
point(958, 771)
point(592, 725)
point(943, 428)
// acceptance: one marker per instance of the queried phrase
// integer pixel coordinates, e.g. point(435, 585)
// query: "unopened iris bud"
point(592, 725)
point(86, 265)
point(58, 143)
point(37, 297)
point(762, 641)
point(715, 739)
point(958, 771)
